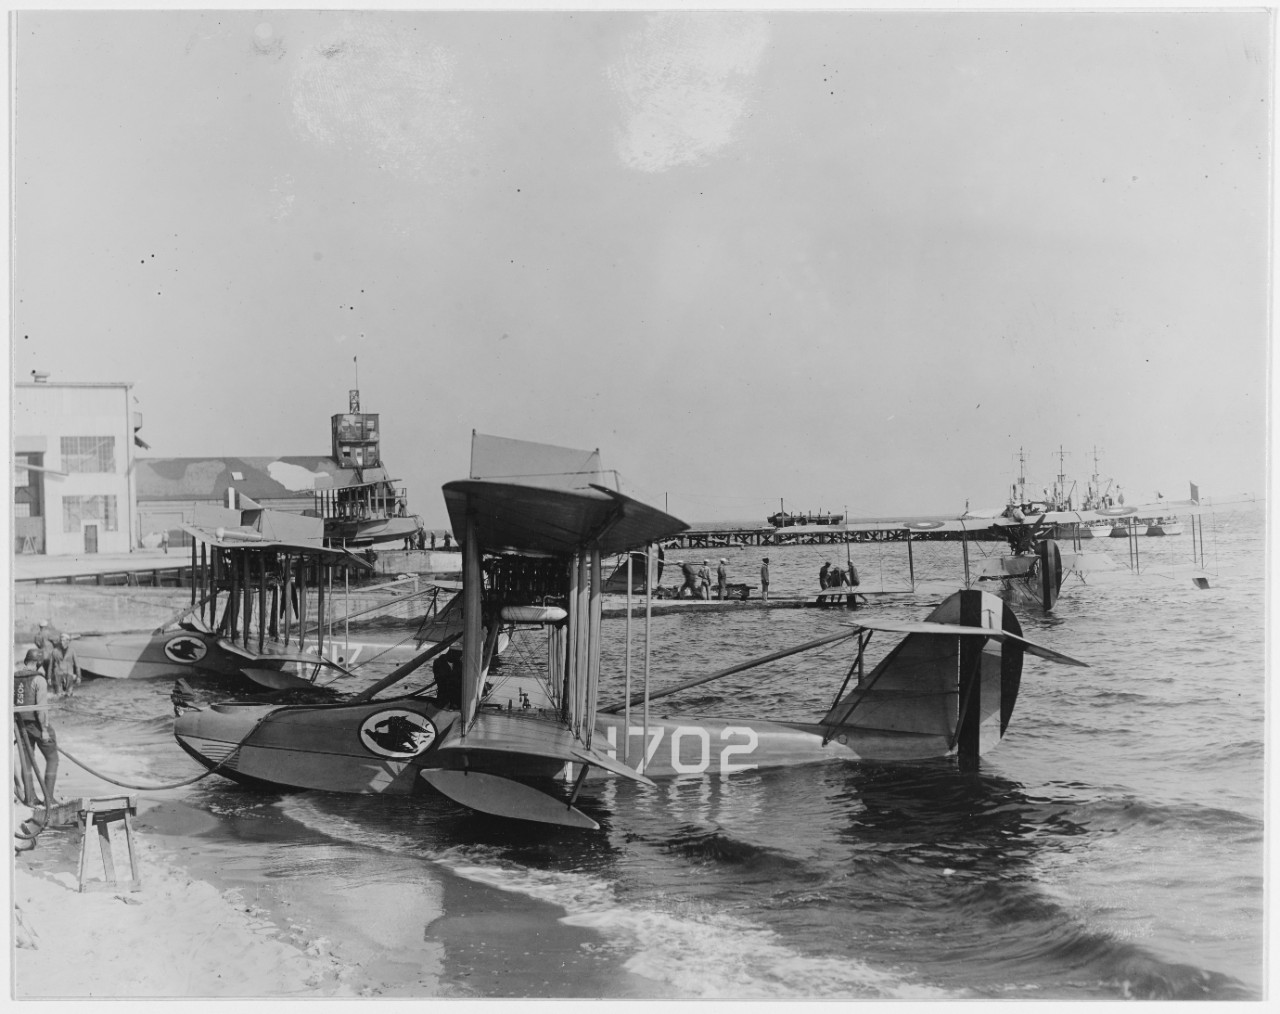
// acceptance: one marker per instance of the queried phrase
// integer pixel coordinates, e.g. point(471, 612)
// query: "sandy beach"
point(179, 936)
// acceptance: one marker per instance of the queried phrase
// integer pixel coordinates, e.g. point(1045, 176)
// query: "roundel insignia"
point(1117, 512)
point(922, 526)
point(185, 649)
point(397, 732)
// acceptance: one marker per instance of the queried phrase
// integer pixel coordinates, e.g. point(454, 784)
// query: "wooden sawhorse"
point(104, 814)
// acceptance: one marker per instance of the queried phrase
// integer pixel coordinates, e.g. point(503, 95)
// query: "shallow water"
point(1111, 847)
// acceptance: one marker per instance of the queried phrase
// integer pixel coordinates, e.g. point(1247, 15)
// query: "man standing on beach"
point(722, 579)
point(704, 580)
point(764, 580)
point(31, 689)
point(64, 667)
point(46, 636)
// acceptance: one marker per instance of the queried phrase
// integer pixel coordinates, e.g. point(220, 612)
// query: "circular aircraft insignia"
point(1117, 512)
point(185, 649)
point(397, 733)
point(922, 526)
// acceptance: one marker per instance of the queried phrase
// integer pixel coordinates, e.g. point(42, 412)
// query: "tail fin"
point(939, 682)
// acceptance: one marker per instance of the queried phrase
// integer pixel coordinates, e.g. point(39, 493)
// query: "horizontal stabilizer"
point(502, 797)
point(960, 630)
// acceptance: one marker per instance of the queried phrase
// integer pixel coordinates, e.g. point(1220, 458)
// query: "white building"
point(73, 473)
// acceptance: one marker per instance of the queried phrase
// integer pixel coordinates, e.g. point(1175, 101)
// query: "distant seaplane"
point(534, 522)
point(1031, 575)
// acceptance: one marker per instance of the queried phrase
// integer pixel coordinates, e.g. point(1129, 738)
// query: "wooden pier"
point(815, 535)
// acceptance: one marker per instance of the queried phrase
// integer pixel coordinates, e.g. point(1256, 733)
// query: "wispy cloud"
point(374, 91)
point(685, 84)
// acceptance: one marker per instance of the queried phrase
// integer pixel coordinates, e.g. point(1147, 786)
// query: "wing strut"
point(613, 709)
point(401, 671)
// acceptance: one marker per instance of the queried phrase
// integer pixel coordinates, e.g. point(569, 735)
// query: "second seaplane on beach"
point(534, 522)
point(255, 573)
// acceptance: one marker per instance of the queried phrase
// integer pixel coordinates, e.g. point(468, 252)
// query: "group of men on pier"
point(698, 582)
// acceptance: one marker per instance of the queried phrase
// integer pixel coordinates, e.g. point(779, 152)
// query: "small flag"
point(1195, 493)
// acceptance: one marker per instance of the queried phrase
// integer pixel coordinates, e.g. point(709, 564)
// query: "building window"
point(89, 454)
point(27, 487)
point(77, 510)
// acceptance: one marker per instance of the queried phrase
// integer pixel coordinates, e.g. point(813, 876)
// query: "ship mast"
point(1060, 488)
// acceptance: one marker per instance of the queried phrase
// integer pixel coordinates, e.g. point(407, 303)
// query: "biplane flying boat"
point(533, 523)
point(1045, 542)
point(255, 572)
point(1030, 575)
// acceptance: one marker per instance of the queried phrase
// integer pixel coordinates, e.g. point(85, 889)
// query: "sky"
point(852, 261)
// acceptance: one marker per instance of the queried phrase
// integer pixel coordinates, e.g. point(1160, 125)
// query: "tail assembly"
point(954, 678)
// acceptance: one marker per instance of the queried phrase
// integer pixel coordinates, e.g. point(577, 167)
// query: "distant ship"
point(371, 508)
point(782, 519)
point(1096, 498)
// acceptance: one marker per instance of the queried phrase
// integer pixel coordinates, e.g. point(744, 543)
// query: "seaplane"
point(255, 573)
point(534, 521)
point(1029, 576)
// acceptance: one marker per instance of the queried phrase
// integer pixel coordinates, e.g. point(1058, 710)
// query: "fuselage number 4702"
point(690, 749)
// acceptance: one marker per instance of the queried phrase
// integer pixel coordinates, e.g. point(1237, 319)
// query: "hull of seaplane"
point(1032, 580)
point(156, 656)
point(682, 747)
point(911, 708)
point(384, 747)
point(370, 531)
point(377, 747)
